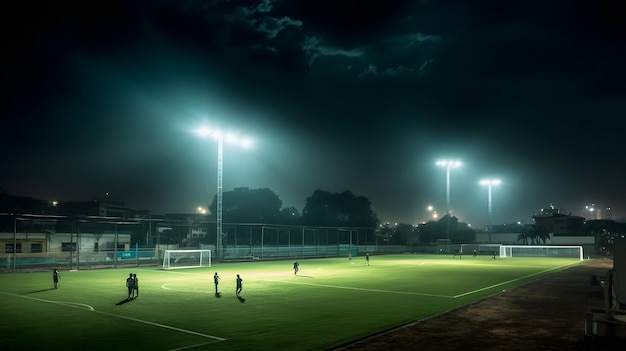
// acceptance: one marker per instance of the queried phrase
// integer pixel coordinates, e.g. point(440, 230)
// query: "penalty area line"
point(81, 306)
point(91, 309)
point(163, 326)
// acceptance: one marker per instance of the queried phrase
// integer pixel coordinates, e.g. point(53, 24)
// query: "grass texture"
point(329, 302)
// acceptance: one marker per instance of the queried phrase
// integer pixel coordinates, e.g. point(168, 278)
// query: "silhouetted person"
point(238, 290)
point(216, 281)
point(130, 284)
point(135, 286)
point(296, 267)
point(55, 277)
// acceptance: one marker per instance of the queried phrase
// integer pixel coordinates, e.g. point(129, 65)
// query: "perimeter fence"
point(45, 242)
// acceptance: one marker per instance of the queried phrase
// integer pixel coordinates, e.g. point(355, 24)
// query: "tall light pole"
point(219, 136)
point(448, 164)
point(489, 183)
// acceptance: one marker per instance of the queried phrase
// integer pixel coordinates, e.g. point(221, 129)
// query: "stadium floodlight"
point(232, 139)
point(448, 164)
point(489, 183)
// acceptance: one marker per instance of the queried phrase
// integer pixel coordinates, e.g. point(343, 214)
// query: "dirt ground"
point(547, 314)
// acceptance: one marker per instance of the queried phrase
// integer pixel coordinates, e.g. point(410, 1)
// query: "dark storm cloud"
point(342, 89)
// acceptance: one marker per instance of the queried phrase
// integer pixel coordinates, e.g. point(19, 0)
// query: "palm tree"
point(528, 234)
point(542, 235)
point(523, 237)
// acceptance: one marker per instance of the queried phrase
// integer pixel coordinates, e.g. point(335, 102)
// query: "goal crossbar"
point(564, 251)
point(176, 259)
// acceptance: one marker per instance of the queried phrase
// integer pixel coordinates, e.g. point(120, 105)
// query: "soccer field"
point(329, 302)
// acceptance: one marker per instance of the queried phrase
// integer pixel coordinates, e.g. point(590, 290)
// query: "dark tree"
point(338, 210)
point(244, 205)
point(289, 216)
point(457, 232)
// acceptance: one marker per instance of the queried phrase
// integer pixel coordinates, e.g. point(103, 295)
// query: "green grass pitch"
point(329, 302)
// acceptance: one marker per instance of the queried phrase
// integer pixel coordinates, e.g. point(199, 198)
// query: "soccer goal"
point(541, 251)
point(174, 259)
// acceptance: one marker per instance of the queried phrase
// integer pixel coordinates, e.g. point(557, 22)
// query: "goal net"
point(541, 251)
point(174, 259)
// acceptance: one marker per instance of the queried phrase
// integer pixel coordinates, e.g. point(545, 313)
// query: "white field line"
point(190, 346)
point(70, 304)
point(421, 294)
point(510, 281)
point(90, 308)
point(362, 289)
point(164, 326)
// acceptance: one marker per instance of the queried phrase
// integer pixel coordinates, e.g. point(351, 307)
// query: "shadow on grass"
point(125, 301)
point(305, 276)
point(37, 291)
point(241, 299)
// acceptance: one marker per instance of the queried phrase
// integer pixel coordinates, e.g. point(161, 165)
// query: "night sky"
point(103, 97)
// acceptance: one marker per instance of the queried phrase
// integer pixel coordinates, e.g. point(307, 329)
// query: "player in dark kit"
point(216, 281)
point(55, 277)
point(296, 267)
point(130, 284)
point(238, 290)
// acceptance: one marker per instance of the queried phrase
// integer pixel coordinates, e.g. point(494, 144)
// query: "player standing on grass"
point(367, 258)
point(130, 284)
point(296, 267)
point(216, 281)
point(55, 277)
point(238, 290)
point(135, 286)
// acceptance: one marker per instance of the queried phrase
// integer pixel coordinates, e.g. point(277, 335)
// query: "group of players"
point(132, 283)
point(238, 281)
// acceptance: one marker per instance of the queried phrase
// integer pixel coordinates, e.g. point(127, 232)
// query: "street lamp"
point(448, 164)
point(219, 136)
point(490, 183)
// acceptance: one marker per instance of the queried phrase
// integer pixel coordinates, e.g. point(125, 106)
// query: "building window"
point(11, 248)
point(67, 247)
point(35, 247)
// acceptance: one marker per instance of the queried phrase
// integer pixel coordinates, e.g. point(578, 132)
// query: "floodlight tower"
point(448, 164)
point(219, 136)
point(489, 183)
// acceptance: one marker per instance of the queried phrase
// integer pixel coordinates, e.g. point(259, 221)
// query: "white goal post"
point(562, 251)
point(175, 259)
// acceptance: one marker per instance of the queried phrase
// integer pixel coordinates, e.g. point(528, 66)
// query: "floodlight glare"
point(448, 164)
point(490, 183)
point(203, 132)
point(230, 138)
